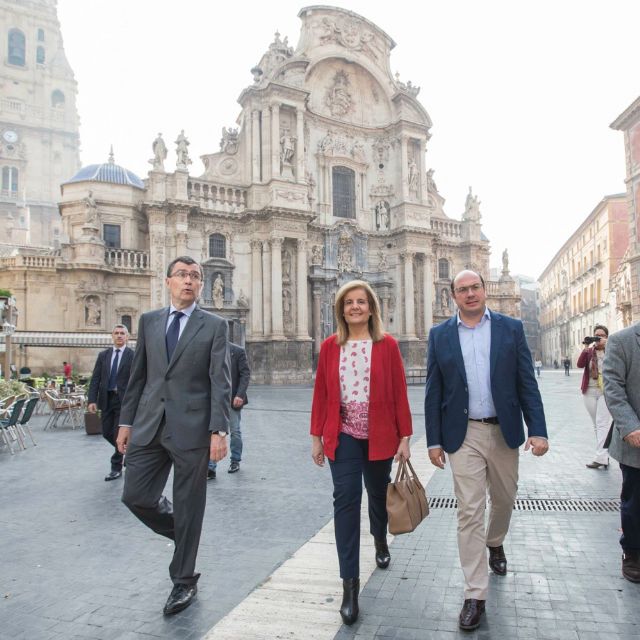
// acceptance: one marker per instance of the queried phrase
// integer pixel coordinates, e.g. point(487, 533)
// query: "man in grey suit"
point(176, 412)
point(621, 377)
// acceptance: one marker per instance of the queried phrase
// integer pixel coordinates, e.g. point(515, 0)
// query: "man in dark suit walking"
point(480, 382)
point(107, 388)
point(176, 413)
point(240, 376)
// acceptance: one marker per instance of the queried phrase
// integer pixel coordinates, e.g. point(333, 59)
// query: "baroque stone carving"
point(311, 187)
point(159, 153)
point(407, 87)
point(286, 266)
point(381, 147)
point(287, 311)
point(345, 253)
point(349, 33)
point(92, 311)
point(287, 152)
point(91, 211)
point(317, 255)
point(182, 151)
point(412, 176)
point(505, 261)
point(242, 300)
point(444, 299)
point(217, 292)
point(471, 208)
point(229, 141)
point(431, 184)
point(289, 195)
point(383, 213)
point(338, 98)
point(383, 265)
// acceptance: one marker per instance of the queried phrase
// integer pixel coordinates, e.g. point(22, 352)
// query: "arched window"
point(16, 47)
point(126, 321)
point(344, 192)
point(40, 35)
point(9, 180)
point(40, 55)
point(217, 246)
point(443, 269)
point(57, 98)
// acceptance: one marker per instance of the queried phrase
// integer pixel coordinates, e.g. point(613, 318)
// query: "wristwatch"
point(222, 434)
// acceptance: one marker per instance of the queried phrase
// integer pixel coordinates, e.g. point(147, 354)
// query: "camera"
point(590, 339)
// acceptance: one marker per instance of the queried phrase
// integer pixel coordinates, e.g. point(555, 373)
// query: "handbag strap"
point(402, 470)
point(413, 474)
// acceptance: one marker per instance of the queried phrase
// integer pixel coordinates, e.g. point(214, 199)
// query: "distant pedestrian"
point(480, 382)
point(555, 364)
point(67, 371)
point(567, 365)
point(107, 388)
point(240, 376)
point(621, 375)
point(538, 366)
point(591, 360)
point(360, 419)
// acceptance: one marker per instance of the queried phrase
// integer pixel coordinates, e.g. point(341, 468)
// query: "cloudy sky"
point(521, 94)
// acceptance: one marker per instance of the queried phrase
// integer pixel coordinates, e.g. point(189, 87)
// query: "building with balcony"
point(575, 287)
point(324, 180)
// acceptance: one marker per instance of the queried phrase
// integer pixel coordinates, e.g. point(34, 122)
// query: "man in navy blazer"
point(480, 383)
point(107, 388)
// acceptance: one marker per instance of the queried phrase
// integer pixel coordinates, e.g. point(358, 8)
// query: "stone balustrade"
point(126, 259)
point(29, 262)
point(447, 227)
point(217, 197)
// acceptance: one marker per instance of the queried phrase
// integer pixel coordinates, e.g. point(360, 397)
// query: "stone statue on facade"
point(505, 261)
point(229, 141)
point(413, 176)
point(182, 151)
point(311, 187)
point(317, 255)
point(338, 98)
point(383, 221)
point(287, 148)
point(91, 211)
point(358, 152)
point(287, 315)
point(286, 266)
point(159, 153)
point(431, 184)
point(217, 292)
point(92, 311)
point(345, 253)
point(242, 300)
point(383, 265)
point(444, 299)
point(471, 207)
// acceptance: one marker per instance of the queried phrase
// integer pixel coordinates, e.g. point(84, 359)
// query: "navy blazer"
point(240, 373)
point(98, 387)
point(513, 385)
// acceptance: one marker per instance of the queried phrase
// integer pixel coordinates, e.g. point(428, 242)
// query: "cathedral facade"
point(324, 180)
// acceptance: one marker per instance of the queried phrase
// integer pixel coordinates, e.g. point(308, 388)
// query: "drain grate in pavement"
point(541, 504)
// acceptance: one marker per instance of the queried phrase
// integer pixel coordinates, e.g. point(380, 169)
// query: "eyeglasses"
point(183, 275)
point(473, 287)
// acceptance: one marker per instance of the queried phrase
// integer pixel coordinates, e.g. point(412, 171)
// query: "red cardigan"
point(389, 413)
point(584, 361)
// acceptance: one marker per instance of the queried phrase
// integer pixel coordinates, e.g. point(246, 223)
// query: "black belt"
point(491, 420)
point(113, 392)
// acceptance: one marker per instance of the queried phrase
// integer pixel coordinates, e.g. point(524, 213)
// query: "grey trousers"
point(147, 470)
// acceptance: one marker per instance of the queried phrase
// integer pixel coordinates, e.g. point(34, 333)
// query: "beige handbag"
point(407, 504)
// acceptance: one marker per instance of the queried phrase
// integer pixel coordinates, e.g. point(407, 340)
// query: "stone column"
point(399, 307)
point(275, 140)
point(266, 145)
point(316, 320)
point(266, 287)
point(276, 287)
point(301, 298)
point(422, 175)
point(410, 321)
point(256, 288)
point(255, 144)
point(428, 294)
point(404, 159)
point(300, 177)
point(384, 300)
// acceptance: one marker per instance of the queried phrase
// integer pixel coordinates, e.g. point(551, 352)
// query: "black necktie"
point(173, 333)
point(113, 376)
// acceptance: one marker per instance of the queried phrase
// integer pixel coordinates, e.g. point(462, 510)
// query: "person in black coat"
point(240, 376)
point(107, 388)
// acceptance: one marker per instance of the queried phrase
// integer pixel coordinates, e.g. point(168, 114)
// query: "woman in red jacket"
point(591, 360)
point(360, 420)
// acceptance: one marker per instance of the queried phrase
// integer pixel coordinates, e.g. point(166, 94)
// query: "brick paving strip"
point(301, 599)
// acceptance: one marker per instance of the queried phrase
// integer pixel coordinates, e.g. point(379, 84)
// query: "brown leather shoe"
point(631, 565)
point(470, 615)
point(497, 560)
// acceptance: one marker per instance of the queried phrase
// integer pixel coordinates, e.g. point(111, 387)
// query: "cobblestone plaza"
point(77, 565)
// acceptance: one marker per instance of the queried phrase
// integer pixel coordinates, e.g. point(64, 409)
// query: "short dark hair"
point(120, 326)
point(185, 260)
point(602, 328)
point(453, 289)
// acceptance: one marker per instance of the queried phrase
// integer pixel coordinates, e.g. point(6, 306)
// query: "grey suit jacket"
point(621, 376)
point(193, 391)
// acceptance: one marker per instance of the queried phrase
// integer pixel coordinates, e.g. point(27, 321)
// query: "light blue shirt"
point(475, 343)
point(183, 320)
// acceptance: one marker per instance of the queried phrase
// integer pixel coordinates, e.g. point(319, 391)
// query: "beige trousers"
point(483, 463)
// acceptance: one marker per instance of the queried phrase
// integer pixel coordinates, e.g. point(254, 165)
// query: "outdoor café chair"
point(8, 426)
point(23, 423)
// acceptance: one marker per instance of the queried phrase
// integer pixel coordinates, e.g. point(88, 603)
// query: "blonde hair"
point(375, 321)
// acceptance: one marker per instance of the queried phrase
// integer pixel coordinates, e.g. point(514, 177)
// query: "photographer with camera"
point(591, 360)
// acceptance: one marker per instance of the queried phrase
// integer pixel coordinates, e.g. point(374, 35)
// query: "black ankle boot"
point(349, 609)
point(383, 557)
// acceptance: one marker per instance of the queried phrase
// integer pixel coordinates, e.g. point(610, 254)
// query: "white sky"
point(521, 94)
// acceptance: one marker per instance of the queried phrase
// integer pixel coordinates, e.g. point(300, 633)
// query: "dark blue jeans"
point(351, 465)
point(630, 508)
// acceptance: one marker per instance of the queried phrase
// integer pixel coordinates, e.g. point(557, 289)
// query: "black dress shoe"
point(211, 474)
point(383, 557)
point(182, 595)
point(497, 560)
point(349, 609)
point(597, 465)
point(233, 467)
point(631, 565)
point(113, 475)
point(470, 615)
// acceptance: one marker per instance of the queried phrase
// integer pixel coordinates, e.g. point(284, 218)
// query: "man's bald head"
point(463, 275)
